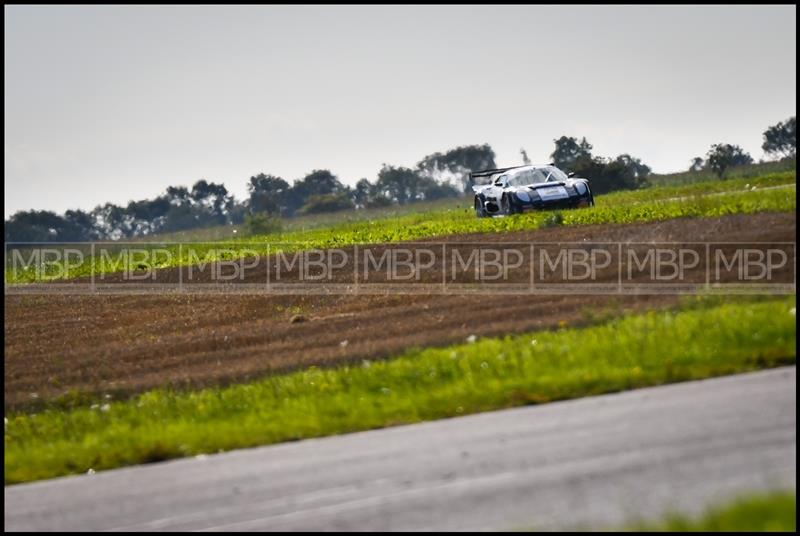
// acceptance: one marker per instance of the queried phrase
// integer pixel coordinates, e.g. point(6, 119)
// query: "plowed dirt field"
point(123, 344)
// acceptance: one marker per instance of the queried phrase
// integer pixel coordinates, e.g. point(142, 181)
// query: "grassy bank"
point(738, 172)
point(636, 351)
point(765, 512)
point(652, 204)
point(661, 187)
point(714, 186)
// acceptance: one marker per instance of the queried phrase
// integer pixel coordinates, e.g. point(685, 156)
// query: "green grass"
point(706, 187)
point(763, 512)
point(700, 341)
point(652, 204)
point(738, 172)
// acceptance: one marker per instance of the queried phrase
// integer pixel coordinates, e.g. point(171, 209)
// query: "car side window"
point(520, 179)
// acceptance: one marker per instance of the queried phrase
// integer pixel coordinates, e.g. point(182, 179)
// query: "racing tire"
point(506, 208)
point(480, 211)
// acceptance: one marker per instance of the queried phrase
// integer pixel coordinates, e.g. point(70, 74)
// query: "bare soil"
point(124, 344)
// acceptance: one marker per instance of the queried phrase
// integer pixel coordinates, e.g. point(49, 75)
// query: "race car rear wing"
point(489, 172)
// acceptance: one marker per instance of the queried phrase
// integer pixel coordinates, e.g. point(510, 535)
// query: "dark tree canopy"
point(569, 150)
point(212, 198)
point(697, 164)
point(178, 195)
point(633, 168)
point(362, 192)
point(268, 193)
point(432, 190)
point(403, 185)
point(607, 175)
point(47, 226)
point(722, 156)
point(604, 174)
point(318, 182)
point(400, 184)
point(456, 164)
point(207, 203)
point(781, 139)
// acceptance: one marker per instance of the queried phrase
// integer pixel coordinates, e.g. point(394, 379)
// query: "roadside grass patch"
point(758, 512)
point(633, 351)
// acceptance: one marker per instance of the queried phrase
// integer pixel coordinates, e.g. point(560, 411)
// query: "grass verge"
point(765, 512)
point(433, 383)
point(652, 204)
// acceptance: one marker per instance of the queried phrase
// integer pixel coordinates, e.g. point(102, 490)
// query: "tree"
point(33, 226)
point(318, 204)
point(112, 221)
point(431, 189)
point(79, 226)
point(318, 182)
point(368, 195)
point(781, 139)
point(723, 156)
point(456, 164)
point(182, 218)
point(239, 211)
point(146, 216)
point(178, 195)
point(205, 204)
point(214, 200)
point(569, 150)
point(361, 193)
point(697, 164)
point(525, 160)
point(634, 171)
point(179, 208)
point(47, 226)
point(606, 175)
point(400, 184)
point(262, 223)
point(268, 193)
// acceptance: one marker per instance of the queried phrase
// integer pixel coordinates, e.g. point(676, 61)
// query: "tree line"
point(436, 176)
point(780, 141)
point(207, 204)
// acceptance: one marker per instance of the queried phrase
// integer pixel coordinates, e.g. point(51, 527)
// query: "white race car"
point(523, 188)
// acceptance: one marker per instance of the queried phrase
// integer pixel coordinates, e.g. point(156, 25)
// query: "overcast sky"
point(117, 103)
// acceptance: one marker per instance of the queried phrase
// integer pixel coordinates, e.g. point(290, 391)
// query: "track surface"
point(119, 345)
point(599, 461)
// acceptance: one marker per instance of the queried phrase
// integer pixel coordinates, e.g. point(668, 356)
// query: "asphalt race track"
point(599, 462)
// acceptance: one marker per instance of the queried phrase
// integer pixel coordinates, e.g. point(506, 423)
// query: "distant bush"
point(262, 223)
point(379, 202)
point(327, 203)
point(723, 156)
